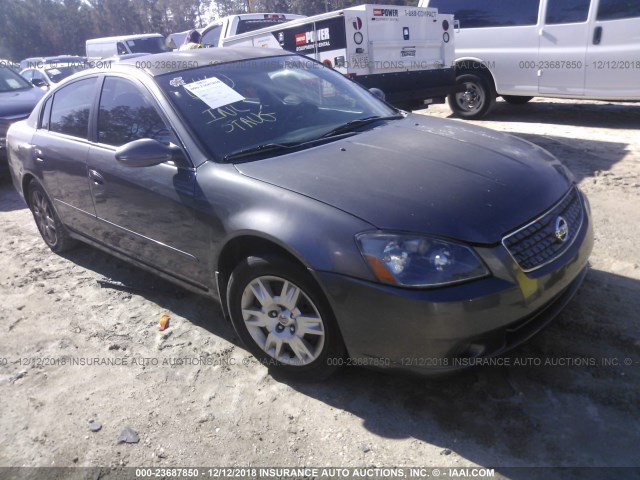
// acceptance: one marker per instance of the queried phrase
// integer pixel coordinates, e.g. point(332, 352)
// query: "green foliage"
point(36, 28)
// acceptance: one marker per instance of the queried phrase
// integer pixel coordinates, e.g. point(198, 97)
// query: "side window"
point(618, 9)
point(212, 37)
point(28, 75)
point(37, 75)
point(126, 114)
point(567, 11)
point(122, 50)
point(46, 114)
point(71, 108)
point(490, 13)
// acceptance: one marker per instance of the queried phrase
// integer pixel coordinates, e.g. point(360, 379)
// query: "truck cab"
point(214, 33)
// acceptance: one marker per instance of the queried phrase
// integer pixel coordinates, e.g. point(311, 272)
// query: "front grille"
point(537, 243)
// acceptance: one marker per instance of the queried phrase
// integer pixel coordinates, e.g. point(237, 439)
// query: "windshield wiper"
point(347, 127)
point(267, 147)
point(275, 147)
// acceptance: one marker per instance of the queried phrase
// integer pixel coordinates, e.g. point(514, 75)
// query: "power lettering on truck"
point(304, 39)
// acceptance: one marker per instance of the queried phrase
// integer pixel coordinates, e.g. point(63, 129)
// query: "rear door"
point(613, 60)
point(60, 148)
point(145, 213)
point(563, 47)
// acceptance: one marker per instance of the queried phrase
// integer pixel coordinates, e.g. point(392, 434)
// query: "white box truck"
point(407, 52)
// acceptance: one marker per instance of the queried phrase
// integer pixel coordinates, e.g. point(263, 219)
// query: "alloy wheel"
point(44, 216)
point(283, 321)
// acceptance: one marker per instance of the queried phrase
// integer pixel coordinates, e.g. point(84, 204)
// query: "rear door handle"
point(597, 36)
point(37, 155)
point(96, 177)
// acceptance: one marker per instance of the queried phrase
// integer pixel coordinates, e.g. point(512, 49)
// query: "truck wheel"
point(283, 319)
point(476, 98)
point(53, 232)
point(516, 99)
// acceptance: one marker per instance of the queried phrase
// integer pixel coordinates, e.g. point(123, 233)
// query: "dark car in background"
point(328, 224)
point(17, 99)
point(4, 63)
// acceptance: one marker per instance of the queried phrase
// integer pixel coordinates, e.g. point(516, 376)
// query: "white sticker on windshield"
point(214, 92)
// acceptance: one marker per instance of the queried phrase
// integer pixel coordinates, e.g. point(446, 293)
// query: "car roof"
point(122, 38)
point(161, 63)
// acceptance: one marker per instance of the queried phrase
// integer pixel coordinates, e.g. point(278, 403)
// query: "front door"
point(143, 212)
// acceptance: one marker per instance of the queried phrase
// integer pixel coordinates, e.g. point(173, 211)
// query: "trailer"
point(407, 52)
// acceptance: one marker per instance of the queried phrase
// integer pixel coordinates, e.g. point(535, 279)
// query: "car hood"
point(424, 174)
point(19, 103)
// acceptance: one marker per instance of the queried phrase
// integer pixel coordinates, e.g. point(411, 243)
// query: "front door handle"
point(96, 178)
point(597, 36)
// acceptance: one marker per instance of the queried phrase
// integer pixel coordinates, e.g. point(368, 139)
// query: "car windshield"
point(263, 104)
point(58, 73)
point(148, 45)
point(10, 80)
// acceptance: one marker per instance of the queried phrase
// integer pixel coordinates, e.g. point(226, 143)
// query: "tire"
point(516, 99)
point(476, 100)
point(268, 319)
point(52, 230)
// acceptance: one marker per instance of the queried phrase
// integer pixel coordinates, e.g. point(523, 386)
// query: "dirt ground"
point(196, 398)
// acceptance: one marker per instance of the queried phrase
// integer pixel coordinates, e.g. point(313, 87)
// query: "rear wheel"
point(476, 98)
point(53, 232)
point(516, 99)
point(283, 318)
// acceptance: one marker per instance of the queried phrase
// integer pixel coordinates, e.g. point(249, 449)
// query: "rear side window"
point(71, 108)
point(567, 11)
point(250, 25)
point(618, 9)
point(46, 114)
point(490, 13)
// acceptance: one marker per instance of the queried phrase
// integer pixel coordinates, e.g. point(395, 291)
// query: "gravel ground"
point(578, 408)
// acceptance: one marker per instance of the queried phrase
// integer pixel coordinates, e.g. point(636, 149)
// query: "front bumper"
point(431, 331)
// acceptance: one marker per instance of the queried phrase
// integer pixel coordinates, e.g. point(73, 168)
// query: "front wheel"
point(475, 99)
point(283, 318)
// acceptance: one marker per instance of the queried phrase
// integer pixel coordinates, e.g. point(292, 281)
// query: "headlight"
point(416, 261)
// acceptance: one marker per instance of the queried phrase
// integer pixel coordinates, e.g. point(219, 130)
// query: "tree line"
point(30, 28)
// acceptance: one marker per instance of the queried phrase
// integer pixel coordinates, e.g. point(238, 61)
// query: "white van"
point(99, 48)
point(585, 49)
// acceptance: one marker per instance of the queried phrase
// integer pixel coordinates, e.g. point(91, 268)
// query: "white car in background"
point(583, 49)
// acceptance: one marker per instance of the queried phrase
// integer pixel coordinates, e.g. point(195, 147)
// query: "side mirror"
point(378, 93)
point(147, 152)
point(38, 82)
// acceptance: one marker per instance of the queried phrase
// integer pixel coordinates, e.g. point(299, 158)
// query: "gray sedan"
point(333, 228)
